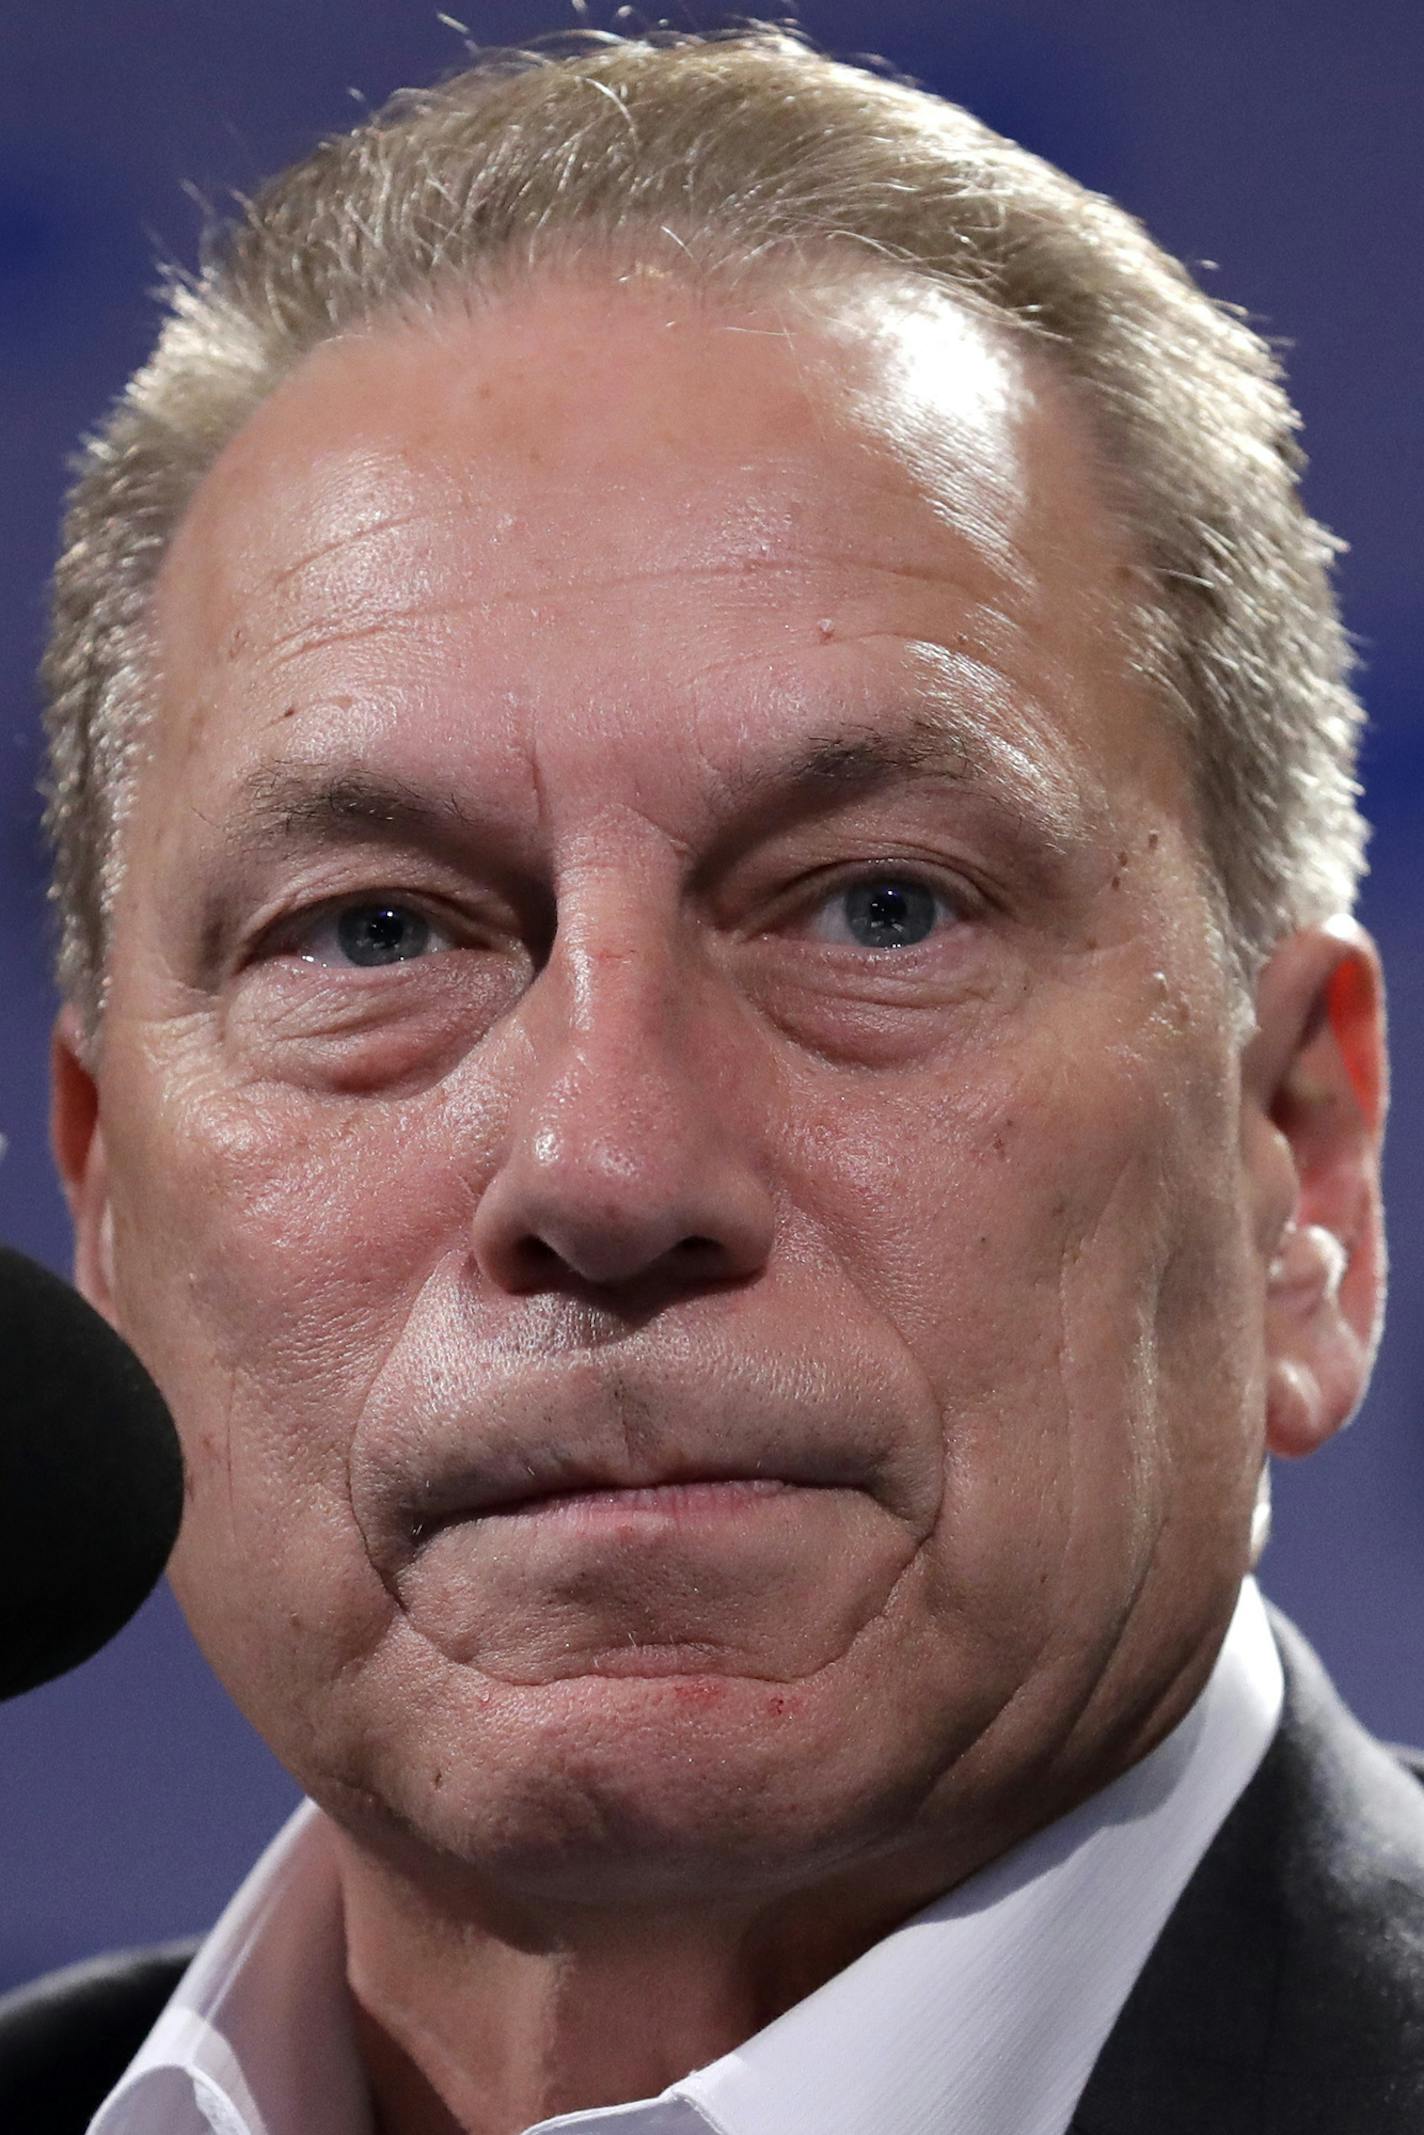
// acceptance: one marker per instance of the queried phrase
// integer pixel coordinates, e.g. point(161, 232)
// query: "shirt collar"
point(985, 2011)
point(259, 2037)
point(988, 2009)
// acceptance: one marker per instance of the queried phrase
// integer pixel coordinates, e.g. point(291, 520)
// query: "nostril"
point(603, 1258)
point(580, 1224)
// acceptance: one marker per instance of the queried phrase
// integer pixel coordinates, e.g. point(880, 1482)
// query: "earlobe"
point(1315, 1083)
point(77, 1135)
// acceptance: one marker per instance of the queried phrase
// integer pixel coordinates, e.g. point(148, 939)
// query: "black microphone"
point(91, 1478)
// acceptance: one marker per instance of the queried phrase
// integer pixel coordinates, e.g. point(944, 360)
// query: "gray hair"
point(735, 154)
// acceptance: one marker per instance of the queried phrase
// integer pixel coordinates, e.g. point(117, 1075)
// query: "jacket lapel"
point(1286, 1994)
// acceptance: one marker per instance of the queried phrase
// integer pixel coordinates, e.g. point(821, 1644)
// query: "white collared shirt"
point(981, 2015)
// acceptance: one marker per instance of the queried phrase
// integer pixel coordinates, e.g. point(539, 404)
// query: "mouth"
point(578, 1498)
point(734, 1441)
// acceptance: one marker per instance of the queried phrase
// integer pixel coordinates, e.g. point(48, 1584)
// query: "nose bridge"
point(621, 996)
point(622, 1156)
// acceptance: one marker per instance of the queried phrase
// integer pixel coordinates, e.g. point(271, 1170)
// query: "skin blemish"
point(698, 1694)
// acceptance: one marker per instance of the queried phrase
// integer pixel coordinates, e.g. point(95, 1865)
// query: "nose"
point(629, 1166)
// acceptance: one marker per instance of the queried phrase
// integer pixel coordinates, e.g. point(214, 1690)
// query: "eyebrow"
point(300, 800)
point(327, 799)
point(940, 744)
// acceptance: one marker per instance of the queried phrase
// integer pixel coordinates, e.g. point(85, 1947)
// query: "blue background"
point(1276, 138)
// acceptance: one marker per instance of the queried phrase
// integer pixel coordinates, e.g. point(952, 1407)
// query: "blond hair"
point(738, 154)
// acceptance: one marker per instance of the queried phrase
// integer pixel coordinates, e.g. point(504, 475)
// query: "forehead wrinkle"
point(312, 636)
point(750, 565)
point(309, 637)
point(345, 567)
point(741, 537)
point(338, 545)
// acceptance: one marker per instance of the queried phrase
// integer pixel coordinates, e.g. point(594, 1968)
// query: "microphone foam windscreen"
point(91, 1478)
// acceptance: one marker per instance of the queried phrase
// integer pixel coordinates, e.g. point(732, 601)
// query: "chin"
point(631, 1789)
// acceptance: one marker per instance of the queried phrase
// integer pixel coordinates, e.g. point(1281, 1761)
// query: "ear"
point(1314, 1103)
point(77, 1136)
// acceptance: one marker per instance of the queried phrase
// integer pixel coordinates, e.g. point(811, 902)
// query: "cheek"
point(277, 1223)
point(267, 1268)
point(1060, 1249)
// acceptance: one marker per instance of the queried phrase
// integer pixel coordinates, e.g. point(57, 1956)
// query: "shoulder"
point(1287, 1989)
point(65, 2040)
point(1349, 1900)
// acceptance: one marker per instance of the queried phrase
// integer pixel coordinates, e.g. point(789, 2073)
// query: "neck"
point(514, 2023)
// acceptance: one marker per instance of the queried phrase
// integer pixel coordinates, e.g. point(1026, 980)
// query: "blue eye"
point(883, 912)
point(367, 935)
point(890, 914)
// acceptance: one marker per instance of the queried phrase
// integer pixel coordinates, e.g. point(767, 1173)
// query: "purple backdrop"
point(1281, 143)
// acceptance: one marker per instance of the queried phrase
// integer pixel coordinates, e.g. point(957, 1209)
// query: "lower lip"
point(683, 1503)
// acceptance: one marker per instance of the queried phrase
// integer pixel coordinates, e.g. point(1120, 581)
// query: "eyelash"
point(288, 935)
point(953, 897)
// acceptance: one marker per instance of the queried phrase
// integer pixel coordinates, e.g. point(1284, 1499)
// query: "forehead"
point(627, 492)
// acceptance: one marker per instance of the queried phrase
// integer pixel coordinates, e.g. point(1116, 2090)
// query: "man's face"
point(670, 1121)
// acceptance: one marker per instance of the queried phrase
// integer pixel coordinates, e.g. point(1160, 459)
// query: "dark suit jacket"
point(1285, 1995)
